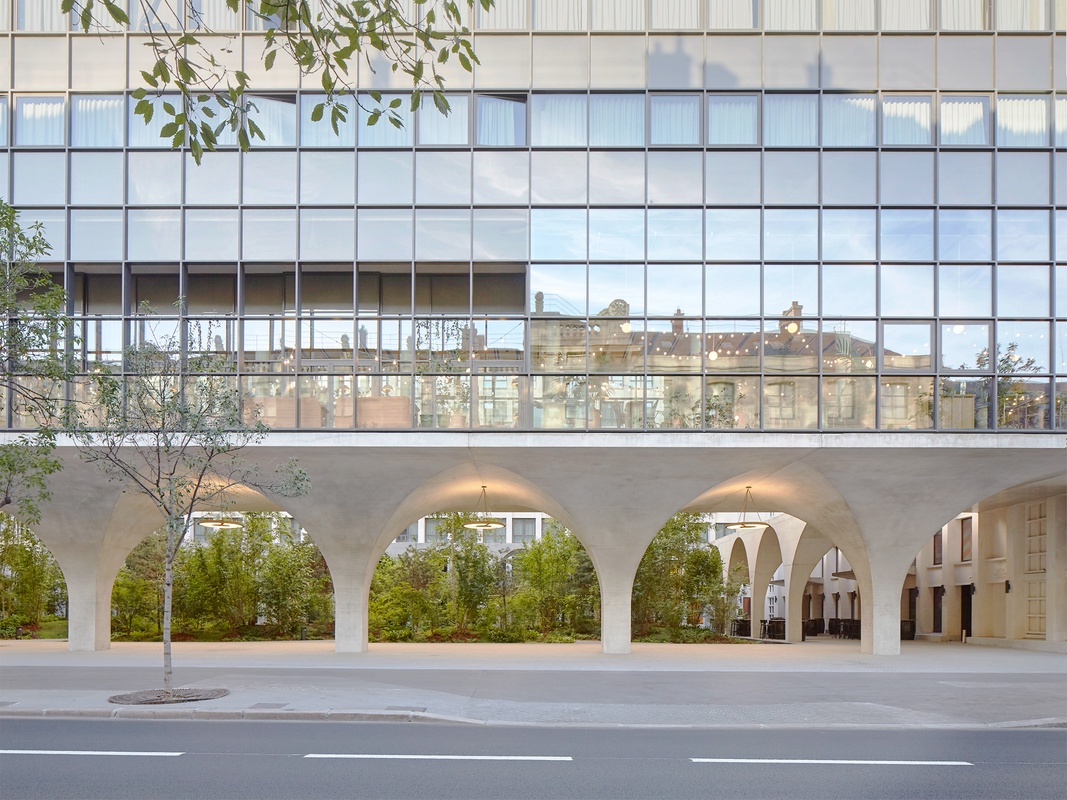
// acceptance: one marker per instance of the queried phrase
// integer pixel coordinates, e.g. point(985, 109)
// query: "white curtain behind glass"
point(906, 120)
point(675, 120)
point(732, 120)
point(1022, 121)
point(725, 15)
point(790, 120)
point(617, 120)
point(39, 120)
point(504, 15)
point(557, 120)
point(276, 117)
point(906, 15)
point(1021, 15)
point(3, 121)
point(320, 134)
point(96, 121)
point(964, 120)
point(1061, 122)
point(618, 15)
point(963, 15)
point(675, 14)
point(501, 121)
point(559, 15)
point(162, 14)
point(849, 15)
point(40, 15)
point(848, 121)
point(213, 14)
point(436, 128)
point(789, 15)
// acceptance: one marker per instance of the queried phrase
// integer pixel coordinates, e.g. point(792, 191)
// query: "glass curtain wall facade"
point(774, 215)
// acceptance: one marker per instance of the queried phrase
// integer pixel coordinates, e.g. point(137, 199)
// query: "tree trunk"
point(168, 597)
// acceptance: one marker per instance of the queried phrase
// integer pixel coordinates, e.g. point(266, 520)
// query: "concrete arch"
point(738, 558)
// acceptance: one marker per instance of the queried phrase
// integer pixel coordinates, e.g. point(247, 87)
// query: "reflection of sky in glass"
point(784, 284)
point(732, 289)
point(791, 234)
point(501, 177)
point(1022, 290)
point(608, 282)
point(558, 177)
point(1061, 289)
point(848, 289)
point(616, 234)
point(911, 340)
point(674, 234)
point(733, 233)
point(616, 178)
point(674, 286)
point(1061, 235)
point(964, 235)
point(674, 178)
point(1032, 340)
point(907, 235)
point(964, 290)
point(557, 233)
point(563, 286)
point(961, 345)
point(1022, 235)
point(907, 290)
point(1060, 364)
point(848, 235)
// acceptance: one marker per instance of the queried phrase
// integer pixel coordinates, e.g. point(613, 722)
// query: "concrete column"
point(796, 580)
point(351, 592)
point(616, 593)
point(880, 617)
point(1056, 570)
point(88, 604)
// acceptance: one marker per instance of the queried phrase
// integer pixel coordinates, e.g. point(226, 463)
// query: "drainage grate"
point(153, 697)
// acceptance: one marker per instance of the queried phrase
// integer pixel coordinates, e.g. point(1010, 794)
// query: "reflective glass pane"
point(39, 179)
point(906, 346)
point(1022, 235)
point(501, 121)
point(384, 133)
point(327, 234)
point(436, 128)
point(964, 235)
point(907, 120)
point(907, 403)
point(143, 134)
point(269, 178)
point(443, 178)
point(732, 346)
point(965, 346)
point(1022, 121)
point(848, 235)
point(848, 120)
point(1022, 347)
point(907, 290)
point(732, 290)
point(674, 286)
point(791, 289)
point(731, 402)
point(383, 235)
point(558, 289)
point(558, 120)
point(214, 181)
point(558, 234)
point(269, 234)
point(327, 178)
point(1023, 404)
point(384, 178)
point(616, 234)
point(791, 345)
point(790, 120)
point(674, 234)
point(96, 121)
point(501, 234)
point(558, 177)
point(674, 178)
point(733, 119)
point(616, 290)
point(154, 235)
point(907, 235)
point(790, 404)
point(40, 121)
point(1022, 290)
point(966, 404)
point(154, 179)
point(674, 119)
point(964, 120)
point(848, 290)
point(97, 178)
point(848, 403)
point(501, 177)
point(321, 133)
point(96, 235)
point(790, 234)
point(212, 234)
point(732, 234)
point(442, 234)
point(617, 120)
point(616, 178)
point(965, 290)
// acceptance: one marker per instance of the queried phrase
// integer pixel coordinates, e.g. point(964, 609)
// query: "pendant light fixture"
point(219, 523)
point(484, 522)
point(744, 523)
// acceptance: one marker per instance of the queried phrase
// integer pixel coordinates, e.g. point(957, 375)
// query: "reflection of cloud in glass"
point(964, 290)
point(785, 284)
point(610, 282)
point(907, 290)
point(962, 344)
point(1022, 290)
point(563, 287)
point(848, 289)
point(674, 286)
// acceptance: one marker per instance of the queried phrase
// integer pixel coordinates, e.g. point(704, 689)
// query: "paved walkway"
point(823, 682)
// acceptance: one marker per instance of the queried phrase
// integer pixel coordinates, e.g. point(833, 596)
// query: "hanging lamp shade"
point(744, 523)
point(219, 523)
point(484, 522)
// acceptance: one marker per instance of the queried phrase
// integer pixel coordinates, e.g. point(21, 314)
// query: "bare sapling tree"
point(173, 427)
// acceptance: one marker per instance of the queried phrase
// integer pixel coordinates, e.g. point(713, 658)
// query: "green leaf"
point(116, 12)
point(196, 151)
point(150, 79)
point(317, 111)
point(268, 62)
point(465, 62)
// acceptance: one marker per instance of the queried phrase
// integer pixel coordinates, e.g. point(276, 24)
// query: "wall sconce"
point(1007, 587)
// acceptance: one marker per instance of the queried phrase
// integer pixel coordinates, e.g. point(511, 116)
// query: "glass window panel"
point(965, 290)
point(732, 234)
point(674, 119)
point(166, 14)
point(616, 234)
point(39, 179)
point(1021, 15)
point(147, 135)
point(617, 120)
point(443, 178)
point(732, 346)
point(97, 178)
point(384, 178)
point(558, 15)
point(848, 235)
point(906, 178)
point(733, 119)
point(1023, 404)
point(384, 133)
point(211, 234)
point(154, 179)
point(96, 235)
point(505, 15)
point(501, 121)
point(1022, 347)
point(33, 15)
point(675, 15)
point(848, 403)
point(906, 15)
point(963, 15)
point(154, 235)
point(674, 178)
point(211, 294)
point(848, 120)
point(791, 120)
point(501, 234)
point(1022, 235)
point(1022, 290)
point(616, 178)
point(907, 234)
point(558, 177)
point(791, 177)
point(732, 290)
point(1022, 121)
point(965, 404)
point(1060, 302)
point(3, 122)
point(40, 121)
point(791, 289)
point(732, 178)
point(674, 234)
point(964, 235)
point(790, 234)
point(436, 128)
point(558, 289)
point(907, 290)
point(674, 286)
point(269, 234)
point(906, 346)
point(732, 14)
point(53, 225)
point(964, 178)
point(558, 234)
point(96, 121)
point(327, 234)
point(907, 120)
point(321, 133)
point(214, 181)
point(907, 403)
point(159, 293)
point(1060, 363)
point(848, 290)
point(965, 346)
point(1023, 178)
point(326, 292)
point(442, 234)
point(500, 293)
point(558, 120)
point(1061, 122)
point(610, 283)
point(791, 404)
point(964, 120)
point(790, 15)
point(269, 178)
point(618, 15)
point(383, 235)
point(327, 178)
point(1061, 235)
point(502, 178)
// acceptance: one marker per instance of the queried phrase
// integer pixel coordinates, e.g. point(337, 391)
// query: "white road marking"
point(421, 757)
point(862, 762)
point(88, 753)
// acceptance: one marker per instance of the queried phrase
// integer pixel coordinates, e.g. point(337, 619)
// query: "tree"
point(172, 428)
point(722, 605)
point(34, 363)
point(323, 38)
point(672, 577)
point(31, 583)
point(421, 577)
point(470, 569)
point(547, 568)
point(286, 584)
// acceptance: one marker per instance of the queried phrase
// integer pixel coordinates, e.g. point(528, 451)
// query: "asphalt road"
point(67, 758)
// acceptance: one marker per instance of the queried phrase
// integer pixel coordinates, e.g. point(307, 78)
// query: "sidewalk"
point(820, 683)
